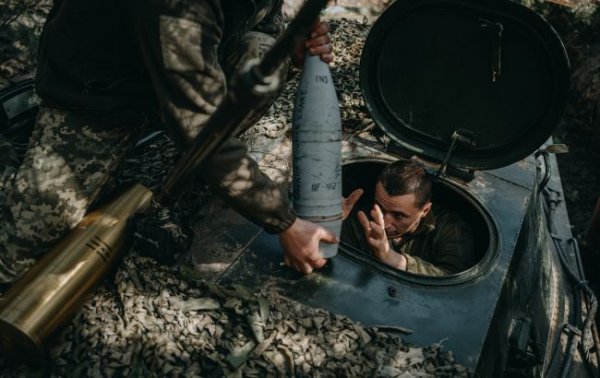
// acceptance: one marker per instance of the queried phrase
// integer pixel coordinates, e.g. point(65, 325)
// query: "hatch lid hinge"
point(459, 138)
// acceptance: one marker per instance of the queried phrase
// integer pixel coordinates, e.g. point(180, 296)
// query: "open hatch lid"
point(494, 71)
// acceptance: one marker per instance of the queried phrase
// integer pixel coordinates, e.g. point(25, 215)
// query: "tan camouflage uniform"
point(104, 66)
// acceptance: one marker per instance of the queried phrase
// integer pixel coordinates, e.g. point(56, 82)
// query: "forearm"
point(392, 258)
point(190, 83)
point(410, 264)
point(235, 176)
point(417, 265)
point(273, 23)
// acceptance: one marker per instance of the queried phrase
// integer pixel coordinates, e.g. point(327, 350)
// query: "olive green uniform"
point(105, 68)
point(441, 245)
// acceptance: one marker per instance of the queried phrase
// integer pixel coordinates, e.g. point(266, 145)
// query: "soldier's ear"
point(426, 209)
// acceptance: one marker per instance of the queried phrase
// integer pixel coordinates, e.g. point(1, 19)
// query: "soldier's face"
point(401, 214)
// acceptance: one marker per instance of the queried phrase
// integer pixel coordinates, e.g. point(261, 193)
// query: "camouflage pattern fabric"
point(252, 46)
point(189, 67)
point(73, 154)
point(8, 157)
point(9, 162)
point(70, 157)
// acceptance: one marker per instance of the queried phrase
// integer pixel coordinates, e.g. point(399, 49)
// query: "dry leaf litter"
point(170, 324)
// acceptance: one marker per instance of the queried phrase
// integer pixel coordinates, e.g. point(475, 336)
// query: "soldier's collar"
point(427, 224)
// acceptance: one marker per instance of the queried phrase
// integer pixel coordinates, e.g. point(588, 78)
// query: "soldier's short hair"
point(407, 177)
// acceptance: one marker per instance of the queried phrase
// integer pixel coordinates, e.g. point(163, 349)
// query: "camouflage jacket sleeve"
point(419, 266)
point(448, 249)
point(273, 24)
point(179, 46)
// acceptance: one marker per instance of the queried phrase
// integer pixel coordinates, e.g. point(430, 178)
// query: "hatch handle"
point(457, 138)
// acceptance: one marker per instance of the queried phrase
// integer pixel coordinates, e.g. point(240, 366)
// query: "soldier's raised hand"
point(349, 202)
point(300, 245)
point(317, 42)
point(377, 239)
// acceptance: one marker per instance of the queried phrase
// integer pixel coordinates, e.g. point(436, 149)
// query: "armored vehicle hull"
point(506, 314)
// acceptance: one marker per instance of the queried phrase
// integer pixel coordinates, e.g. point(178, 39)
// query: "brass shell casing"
point(53, 289)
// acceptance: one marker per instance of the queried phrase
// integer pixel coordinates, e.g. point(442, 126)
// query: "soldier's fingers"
point(378, 215)
point(327, 236)
point(319, 263)
point(296, 264)
point(377, 231)
point(316, 261)
point(364, 222)
point(306, 268)
point(375, 245)
point(353, 198)
point(327, 58)
point(373, 242)
point(320, 50)
point(318, 41)
point(319, 28)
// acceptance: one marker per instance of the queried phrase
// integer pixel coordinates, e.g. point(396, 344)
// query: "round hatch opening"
point(445, 195)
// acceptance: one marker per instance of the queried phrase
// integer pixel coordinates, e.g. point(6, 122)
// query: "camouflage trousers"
point(71, 156)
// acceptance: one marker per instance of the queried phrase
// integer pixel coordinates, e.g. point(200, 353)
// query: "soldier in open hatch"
point(406, 230)
point(105, 68)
